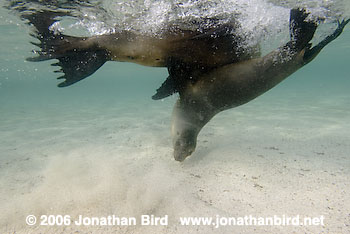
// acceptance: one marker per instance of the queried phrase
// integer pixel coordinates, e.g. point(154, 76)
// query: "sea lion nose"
point(179, 156)
point(182, 150)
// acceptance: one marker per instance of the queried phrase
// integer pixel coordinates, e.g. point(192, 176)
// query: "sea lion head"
point(189, 117)
point(185, 144)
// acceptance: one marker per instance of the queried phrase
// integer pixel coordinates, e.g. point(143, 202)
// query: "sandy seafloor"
point(103, 147)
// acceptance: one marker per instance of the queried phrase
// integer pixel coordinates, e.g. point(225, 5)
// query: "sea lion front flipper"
point(301, 30)
point(180, 74)
point(166, 89)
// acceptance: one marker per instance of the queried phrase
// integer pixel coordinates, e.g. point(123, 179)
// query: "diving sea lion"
point(209, 68)
point(235, 84)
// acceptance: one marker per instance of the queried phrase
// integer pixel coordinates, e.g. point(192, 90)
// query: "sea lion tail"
point(77, 57)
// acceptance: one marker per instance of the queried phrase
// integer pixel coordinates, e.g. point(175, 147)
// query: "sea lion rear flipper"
point(313, 52)
point(78, 58)
point(303, 30)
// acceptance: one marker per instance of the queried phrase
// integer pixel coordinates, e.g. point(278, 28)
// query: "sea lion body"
point(225, 88)
point(207, 48)
point(211, 47)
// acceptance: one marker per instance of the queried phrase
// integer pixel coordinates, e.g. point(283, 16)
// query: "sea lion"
point(209, 68)
point(200, 50)
point(235, 84)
